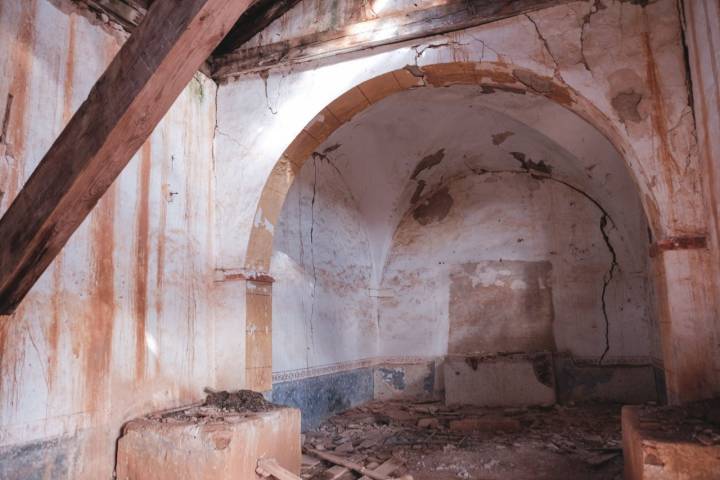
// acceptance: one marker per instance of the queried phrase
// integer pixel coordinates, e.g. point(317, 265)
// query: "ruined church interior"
point(359, 239)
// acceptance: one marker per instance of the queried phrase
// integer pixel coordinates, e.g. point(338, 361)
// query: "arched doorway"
point(490, 134)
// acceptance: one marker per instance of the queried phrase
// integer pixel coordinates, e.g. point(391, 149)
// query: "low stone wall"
point(671, 442)
point(198, 448)
point(548, 378)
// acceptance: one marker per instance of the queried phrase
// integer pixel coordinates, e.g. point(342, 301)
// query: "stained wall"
point(121, 323)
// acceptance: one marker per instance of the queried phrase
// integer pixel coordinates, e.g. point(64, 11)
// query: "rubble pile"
point(429, 440)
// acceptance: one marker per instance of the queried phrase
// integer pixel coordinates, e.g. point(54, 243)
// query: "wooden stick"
point(354, 466)
point(269, 467)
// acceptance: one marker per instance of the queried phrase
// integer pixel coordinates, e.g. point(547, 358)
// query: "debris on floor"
point(428, 440)
point(218, 406)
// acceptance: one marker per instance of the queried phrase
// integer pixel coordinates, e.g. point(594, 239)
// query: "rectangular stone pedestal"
point(209, 448)
point(662, 443)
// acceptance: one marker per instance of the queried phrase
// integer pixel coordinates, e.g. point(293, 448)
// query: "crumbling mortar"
point(419, 52)
point(415, 69)
point(604, 219)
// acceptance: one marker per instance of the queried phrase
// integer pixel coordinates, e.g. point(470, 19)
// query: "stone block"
point(658, 446)
point(628, 384)
point(507, 381)
point(219, 449)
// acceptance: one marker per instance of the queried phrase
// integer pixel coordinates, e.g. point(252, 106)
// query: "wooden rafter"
point(442, 17)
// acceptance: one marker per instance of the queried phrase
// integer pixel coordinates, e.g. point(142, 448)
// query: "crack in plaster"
point(312, 251)
point(415, 69)
point(230, 137)
point(43, 365)
point(545, 43)
point(302, 263)
point(604, 219)
point(596, 7)
point(264, 74)
point(484, 46)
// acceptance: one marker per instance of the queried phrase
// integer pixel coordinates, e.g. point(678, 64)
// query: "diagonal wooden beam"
point(123, 108)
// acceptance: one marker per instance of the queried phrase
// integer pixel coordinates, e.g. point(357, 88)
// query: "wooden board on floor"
point(387, 468)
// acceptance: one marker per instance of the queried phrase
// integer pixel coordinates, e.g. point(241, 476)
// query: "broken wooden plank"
point(269, 467)
point(387, 468)
point(127, 102)
point(308, 461)
point(353, 466)
point(446, 17)
point(334, 473)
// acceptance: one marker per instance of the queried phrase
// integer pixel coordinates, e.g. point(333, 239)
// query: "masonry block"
point(664, 444)
point(218, 449)
point(508, 380)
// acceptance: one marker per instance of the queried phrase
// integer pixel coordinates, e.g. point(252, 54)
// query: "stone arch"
point(490, 76)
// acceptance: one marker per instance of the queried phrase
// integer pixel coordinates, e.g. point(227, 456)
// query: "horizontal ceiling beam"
point(256, 19)
point(450, 16)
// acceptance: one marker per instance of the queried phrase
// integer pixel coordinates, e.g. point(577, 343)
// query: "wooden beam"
point(125, 105)
point(447, 17)
point(128, 13)
point(269, 467)
point(256, 19)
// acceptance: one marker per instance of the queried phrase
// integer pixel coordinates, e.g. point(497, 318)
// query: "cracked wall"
point(618, 65)
point(322, 311)
point(491, 238)
point(591, 91)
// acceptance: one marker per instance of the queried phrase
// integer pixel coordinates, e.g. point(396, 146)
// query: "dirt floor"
point(432, 441)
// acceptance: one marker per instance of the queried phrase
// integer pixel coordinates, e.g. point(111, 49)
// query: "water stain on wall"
point(435, 208)
point(499, 138)
point(428, 162)
point(141, 259)
point(97, 343)
point(22, 61)
point(501, 306)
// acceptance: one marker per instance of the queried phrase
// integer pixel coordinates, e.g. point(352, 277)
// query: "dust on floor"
point(433, 441)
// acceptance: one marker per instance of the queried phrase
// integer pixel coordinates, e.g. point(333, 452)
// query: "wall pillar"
point(258, 334)
point(686, 308)
point(702, 36)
